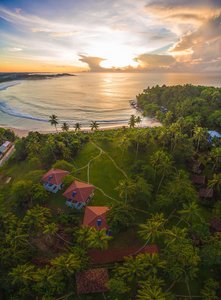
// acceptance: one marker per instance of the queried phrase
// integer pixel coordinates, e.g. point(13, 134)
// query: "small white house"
point(53, 180)
point(5, 147)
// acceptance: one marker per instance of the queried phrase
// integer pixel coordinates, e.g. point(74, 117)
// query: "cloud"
point(201, 48)
point(154, 61)
point(18, 10)
point(15, 49)
point(183, 16)
point(92, 62)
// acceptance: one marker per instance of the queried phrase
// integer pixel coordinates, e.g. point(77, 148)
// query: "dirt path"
point(111, 158)
point(116, 166)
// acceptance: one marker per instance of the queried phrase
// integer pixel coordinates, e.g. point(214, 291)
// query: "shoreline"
point(24, 132)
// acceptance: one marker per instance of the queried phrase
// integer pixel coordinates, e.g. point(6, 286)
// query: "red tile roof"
point(93, 213)
point(92, 281)
point(215, 224)
point(206, 193)
point(56, 176)
point(199, 179)
point(117, 255)
point(83, 191)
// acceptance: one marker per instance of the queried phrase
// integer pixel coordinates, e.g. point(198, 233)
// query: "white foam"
point(5, 85)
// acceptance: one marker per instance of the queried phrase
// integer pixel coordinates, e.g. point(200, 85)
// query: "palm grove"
point(43, 245)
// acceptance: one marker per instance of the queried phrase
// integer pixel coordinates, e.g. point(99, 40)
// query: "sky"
point(110, 35)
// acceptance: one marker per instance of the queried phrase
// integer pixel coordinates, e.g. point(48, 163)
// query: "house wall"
point(52, 187)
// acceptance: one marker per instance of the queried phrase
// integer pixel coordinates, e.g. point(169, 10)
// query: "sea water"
point(101, 97)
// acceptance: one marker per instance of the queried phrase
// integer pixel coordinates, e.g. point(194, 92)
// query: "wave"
point(12, 112)
point(4, 86)
point(6, 109)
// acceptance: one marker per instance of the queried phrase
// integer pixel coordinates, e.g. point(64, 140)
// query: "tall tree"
point(199, 135)
point(94, 125)
point(77, 126)
point(153, 228)
point(65, 126)
point(162, 163)
point(126, 189)
point(132, 121)
point(53, 119)
point(215, 182)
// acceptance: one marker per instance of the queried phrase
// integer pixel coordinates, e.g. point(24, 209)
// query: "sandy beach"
point(24, 132)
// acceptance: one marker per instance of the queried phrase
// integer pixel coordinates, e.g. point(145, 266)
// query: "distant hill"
point(30, 76)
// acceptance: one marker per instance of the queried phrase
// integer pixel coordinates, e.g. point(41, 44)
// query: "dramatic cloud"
point(203, 45)
point(126, 35)
point(92, 62)
point(154, 61)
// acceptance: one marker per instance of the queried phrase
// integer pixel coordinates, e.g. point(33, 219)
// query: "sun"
point(115, 55)
point(119, 60)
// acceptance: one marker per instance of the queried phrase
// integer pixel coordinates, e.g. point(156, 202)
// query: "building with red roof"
point(78, 194)
point(96, 216)
point(92, 281)
point(53, 179)
point(112, 255)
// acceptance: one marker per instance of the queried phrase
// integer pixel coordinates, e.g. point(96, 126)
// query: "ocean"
point(101, 97)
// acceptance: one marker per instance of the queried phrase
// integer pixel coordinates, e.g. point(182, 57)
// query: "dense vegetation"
point(196, 105)
point(144, 175)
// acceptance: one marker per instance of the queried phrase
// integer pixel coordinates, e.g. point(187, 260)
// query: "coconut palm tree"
point(90, 237)
point(199, 135)
point(138, 120)
point(190, 212)
point(98, 239)
point(132, 121)
point(94, 125)
point(126, 189)
point(68, 263)
point(152, 262)
point(215, 156)
point(65, 126)
point(22, 274)
point(153, 228)
point(151, 292)
point(120, 216)
point(215, 182)
point(53, 119)
point(162, 163)
point(77, 126)
point(132, 269)
point(50, 230)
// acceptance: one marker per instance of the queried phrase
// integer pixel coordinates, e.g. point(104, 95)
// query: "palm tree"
point(152, 263)
point(190, 212)
point(68, 263)
point(98, 239)
point(132, 121)
point(161, 161)
point(199, 135)
point(151, 292)
point(22, 274)
point(215, 182)
point(89, 237)
point(138, 120)
point(53, 119)
point(94, 125)
point(120, 216)
point(132, 269)
point(153, 228)
point(50, 230)
point(65, 126)
point(126, 189)
point(77, 126)
point(216, 157)
point(123, 144)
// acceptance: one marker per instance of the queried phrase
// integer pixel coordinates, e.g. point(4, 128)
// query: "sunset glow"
point(77, 36)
